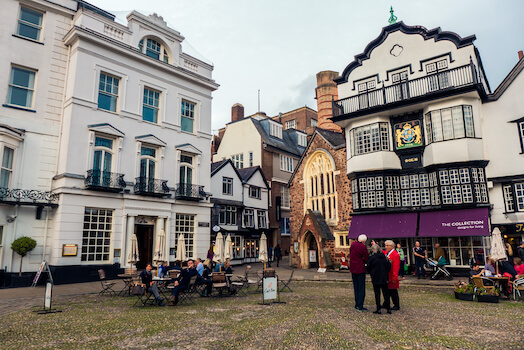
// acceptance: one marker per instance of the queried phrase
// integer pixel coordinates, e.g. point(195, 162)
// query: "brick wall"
point(343, 189)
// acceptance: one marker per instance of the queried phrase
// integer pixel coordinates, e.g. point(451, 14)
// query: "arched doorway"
point(309, 254)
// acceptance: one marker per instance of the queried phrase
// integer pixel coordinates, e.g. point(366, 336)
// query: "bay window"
point(449, 124)
point(369, 138)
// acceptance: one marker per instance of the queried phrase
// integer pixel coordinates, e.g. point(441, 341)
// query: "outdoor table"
point(498, 280)
point(162, 284)
point(128, 280)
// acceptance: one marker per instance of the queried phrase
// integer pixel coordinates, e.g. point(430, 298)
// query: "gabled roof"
point(319, 223)
point(217, 166)
point(286, 144)
point(437, 34)
point(247, 173)
point(503, 86)
point(335, 139)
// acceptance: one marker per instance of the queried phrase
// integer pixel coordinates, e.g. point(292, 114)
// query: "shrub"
point(22, 246)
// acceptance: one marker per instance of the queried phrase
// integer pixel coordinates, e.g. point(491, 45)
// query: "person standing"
point(420, 256)
point(278, 253)
point(400, 252)
point(358, 256)
point(393, 282)
point(520, 251)
point(439, 252)
point(269, 255)
point(379, 267)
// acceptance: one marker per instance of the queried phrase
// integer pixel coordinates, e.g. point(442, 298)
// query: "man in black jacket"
point(147, 279)
point(183, 280)
point(378, 267)
point(520, 251)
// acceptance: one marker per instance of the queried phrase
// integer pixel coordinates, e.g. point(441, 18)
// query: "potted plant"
point(488, 295)
point(464, 291)
point(22, 246)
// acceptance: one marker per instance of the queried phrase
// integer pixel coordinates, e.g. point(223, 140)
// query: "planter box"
point(464, 296)
point(488, 298)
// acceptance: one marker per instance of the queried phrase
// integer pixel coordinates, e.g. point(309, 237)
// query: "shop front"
point(463, 233)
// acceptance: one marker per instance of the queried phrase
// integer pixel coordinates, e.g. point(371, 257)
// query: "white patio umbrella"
point(228, 248)
point(219, 249)
point(133, 253)
point(262, 253)
point(181, 248)
point(160, 250)
point(497, 251)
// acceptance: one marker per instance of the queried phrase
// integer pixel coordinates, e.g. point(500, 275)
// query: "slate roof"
point(336, 139)
point(217, 165)
point(246, 173)
point(320, 224)
point(287, 144)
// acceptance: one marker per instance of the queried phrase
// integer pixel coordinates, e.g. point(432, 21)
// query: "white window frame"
point(255, 192)
point(29, 89)
point(248, 219)
point(227, 186)
point(155, 106)
point(261, 219)
point(286, 163)
point(238, 160)
point(188, 230)
point(185, 108)
point(507, 192)
point(163, 54)
point(302, 140)
point(91, 235)
point(284, 197)
point(5, 169)
point(291, 124)
point(275, 129)
point(30, 24)
point(111, 94)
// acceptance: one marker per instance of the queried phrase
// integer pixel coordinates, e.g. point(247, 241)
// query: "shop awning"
point(451, 223)
point(398, 225)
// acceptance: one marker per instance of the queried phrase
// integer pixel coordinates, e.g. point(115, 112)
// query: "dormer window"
point(154, 49)
point(302, 140)
point(275, 130)
point(439, 78)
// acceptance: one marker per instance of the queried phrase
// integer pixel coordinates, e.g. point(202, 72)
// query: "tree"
point(22, 246)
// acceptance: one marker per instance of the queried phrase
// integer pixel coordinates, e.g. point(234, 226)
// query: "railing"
point(19, 196)
point(104, 180)
point(446, 80)
point(151, 187)
point(188, 191)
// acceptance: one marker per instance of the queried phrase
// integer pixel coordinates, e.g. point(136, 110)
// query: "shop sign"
point(410, 161)
point(313, 256)
point(511, 229)
point(408, 134)
point(203, 224)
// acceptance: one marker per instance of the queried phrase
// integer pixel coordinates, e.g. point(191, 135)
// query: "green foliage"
point(23, 245)
point(492, 291)
point(463, 287)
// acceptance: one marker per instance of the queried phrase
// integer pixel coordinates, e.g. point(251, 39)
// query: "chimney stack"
point(326, 91)
point(521, 54)
point(237, 112)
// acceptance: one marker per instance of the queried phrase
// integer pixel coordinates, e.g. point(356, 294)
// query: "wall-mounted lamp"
point(10, 218)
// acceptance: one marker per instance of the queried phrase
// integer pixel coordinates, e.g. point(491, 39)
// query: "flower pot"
point(488, 298)
point(465, 296)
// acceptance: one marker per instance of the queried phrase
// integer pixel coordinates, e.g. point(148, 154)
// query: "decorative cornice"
point(437, 34)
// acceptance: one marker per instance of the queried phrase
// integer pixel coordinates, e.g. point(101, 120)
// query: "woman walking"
point(379, 266)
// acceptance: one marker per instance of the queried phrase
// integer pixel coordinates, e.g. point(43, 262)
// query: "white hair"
point(362, 238)
point(390, 242)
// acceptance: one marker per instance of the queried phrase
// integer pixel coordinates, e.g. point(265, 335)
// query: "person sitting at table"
point(229, 271)
point(475, 271)
point(519, 267)
point(147, 279)
point(199, 266)
point(162, 270)
point(177, 266)
point(182, 282)
point(490, 268)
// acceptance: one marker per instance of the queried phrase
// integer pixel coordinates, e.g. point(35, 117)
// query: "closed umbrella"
point(159, 255)
point(262, 253)
point(219, 249)
point(133, 252)
point(228, 248)
point(497, 251)
point(181, 248)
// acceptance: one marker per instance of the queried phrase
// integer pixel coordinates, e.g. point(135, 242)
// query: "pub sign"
point(408, 134)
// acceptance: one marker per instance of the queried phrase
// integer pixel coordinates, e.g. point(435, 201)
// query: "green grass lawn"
point(315, 316)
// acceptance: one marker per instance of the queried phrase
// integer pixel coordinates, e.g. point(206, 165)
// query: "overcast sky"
point(278, 46)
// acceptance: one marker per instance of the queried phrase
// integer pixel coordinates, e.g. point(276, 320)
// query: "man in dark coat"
point(378, 267)
point(183, 280)
point(520, 251)
point(278, 254)
point(358, 256)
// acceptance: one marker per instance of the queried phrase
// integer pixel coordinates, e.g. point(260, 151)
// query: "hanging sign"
point(408, 134)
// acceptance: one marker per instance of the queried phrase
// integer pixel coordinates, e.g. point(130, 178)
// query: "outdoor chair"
point(253, 278)
point(107, 286)
point(219, 282)
point(144, 297)
point(285, 284)
point(518, 288)
point(479, 283)
point(187, 295)
point(239, 285)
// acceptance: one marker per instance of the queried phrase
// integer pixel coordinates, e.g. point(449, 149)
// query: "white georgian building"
point(115, 121)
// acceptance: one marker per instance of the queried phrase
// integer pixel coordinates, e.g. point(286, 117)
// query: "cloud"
point(303, 94)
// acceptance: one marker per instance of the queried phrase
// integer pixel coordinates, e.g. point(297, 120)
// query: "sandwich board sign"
point(270, 290)
point(48, 295)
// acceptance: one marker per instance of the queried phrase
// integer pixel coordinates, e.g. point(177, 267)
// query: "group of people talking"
point(383, 265)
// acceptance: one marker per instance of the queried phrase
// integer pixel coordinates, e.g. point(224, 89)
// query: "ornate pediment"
point(106, 128)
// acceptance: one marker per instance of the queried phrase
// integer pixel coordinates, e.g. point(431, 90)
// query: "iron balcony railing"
point(104, 180)
point(188, 191)
point(20, 196)
point(151, 187)
point(406, 90)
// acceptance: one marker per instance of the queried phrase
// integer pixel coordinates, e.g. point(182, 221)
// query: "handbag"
point(138, 289)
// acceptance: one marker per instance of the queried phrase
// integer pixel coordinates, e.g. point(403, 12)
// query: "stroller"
point(439, 269)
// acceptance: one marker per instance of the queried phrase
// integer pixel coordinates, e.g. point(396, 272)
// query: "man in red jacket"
point(393, 282)
point(358, 256)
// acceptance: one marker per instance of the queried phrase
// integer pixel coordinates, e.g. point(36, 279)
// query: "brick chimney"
point(521, 54)
point(237, 112)
point(326, 91)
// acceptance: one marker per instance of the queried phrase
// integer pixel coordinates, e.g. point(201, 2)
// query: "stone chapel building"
point(320, 192)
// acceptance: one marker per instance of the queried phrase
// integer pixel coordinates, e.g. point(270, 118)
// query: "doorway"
point(313, 253)
point(309, 251)
point(144, 236)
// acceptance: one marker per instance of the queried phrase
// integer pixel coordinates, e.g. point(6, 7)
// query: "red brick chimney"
point(521, 54)
point(237, 112)
point(326, 91)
